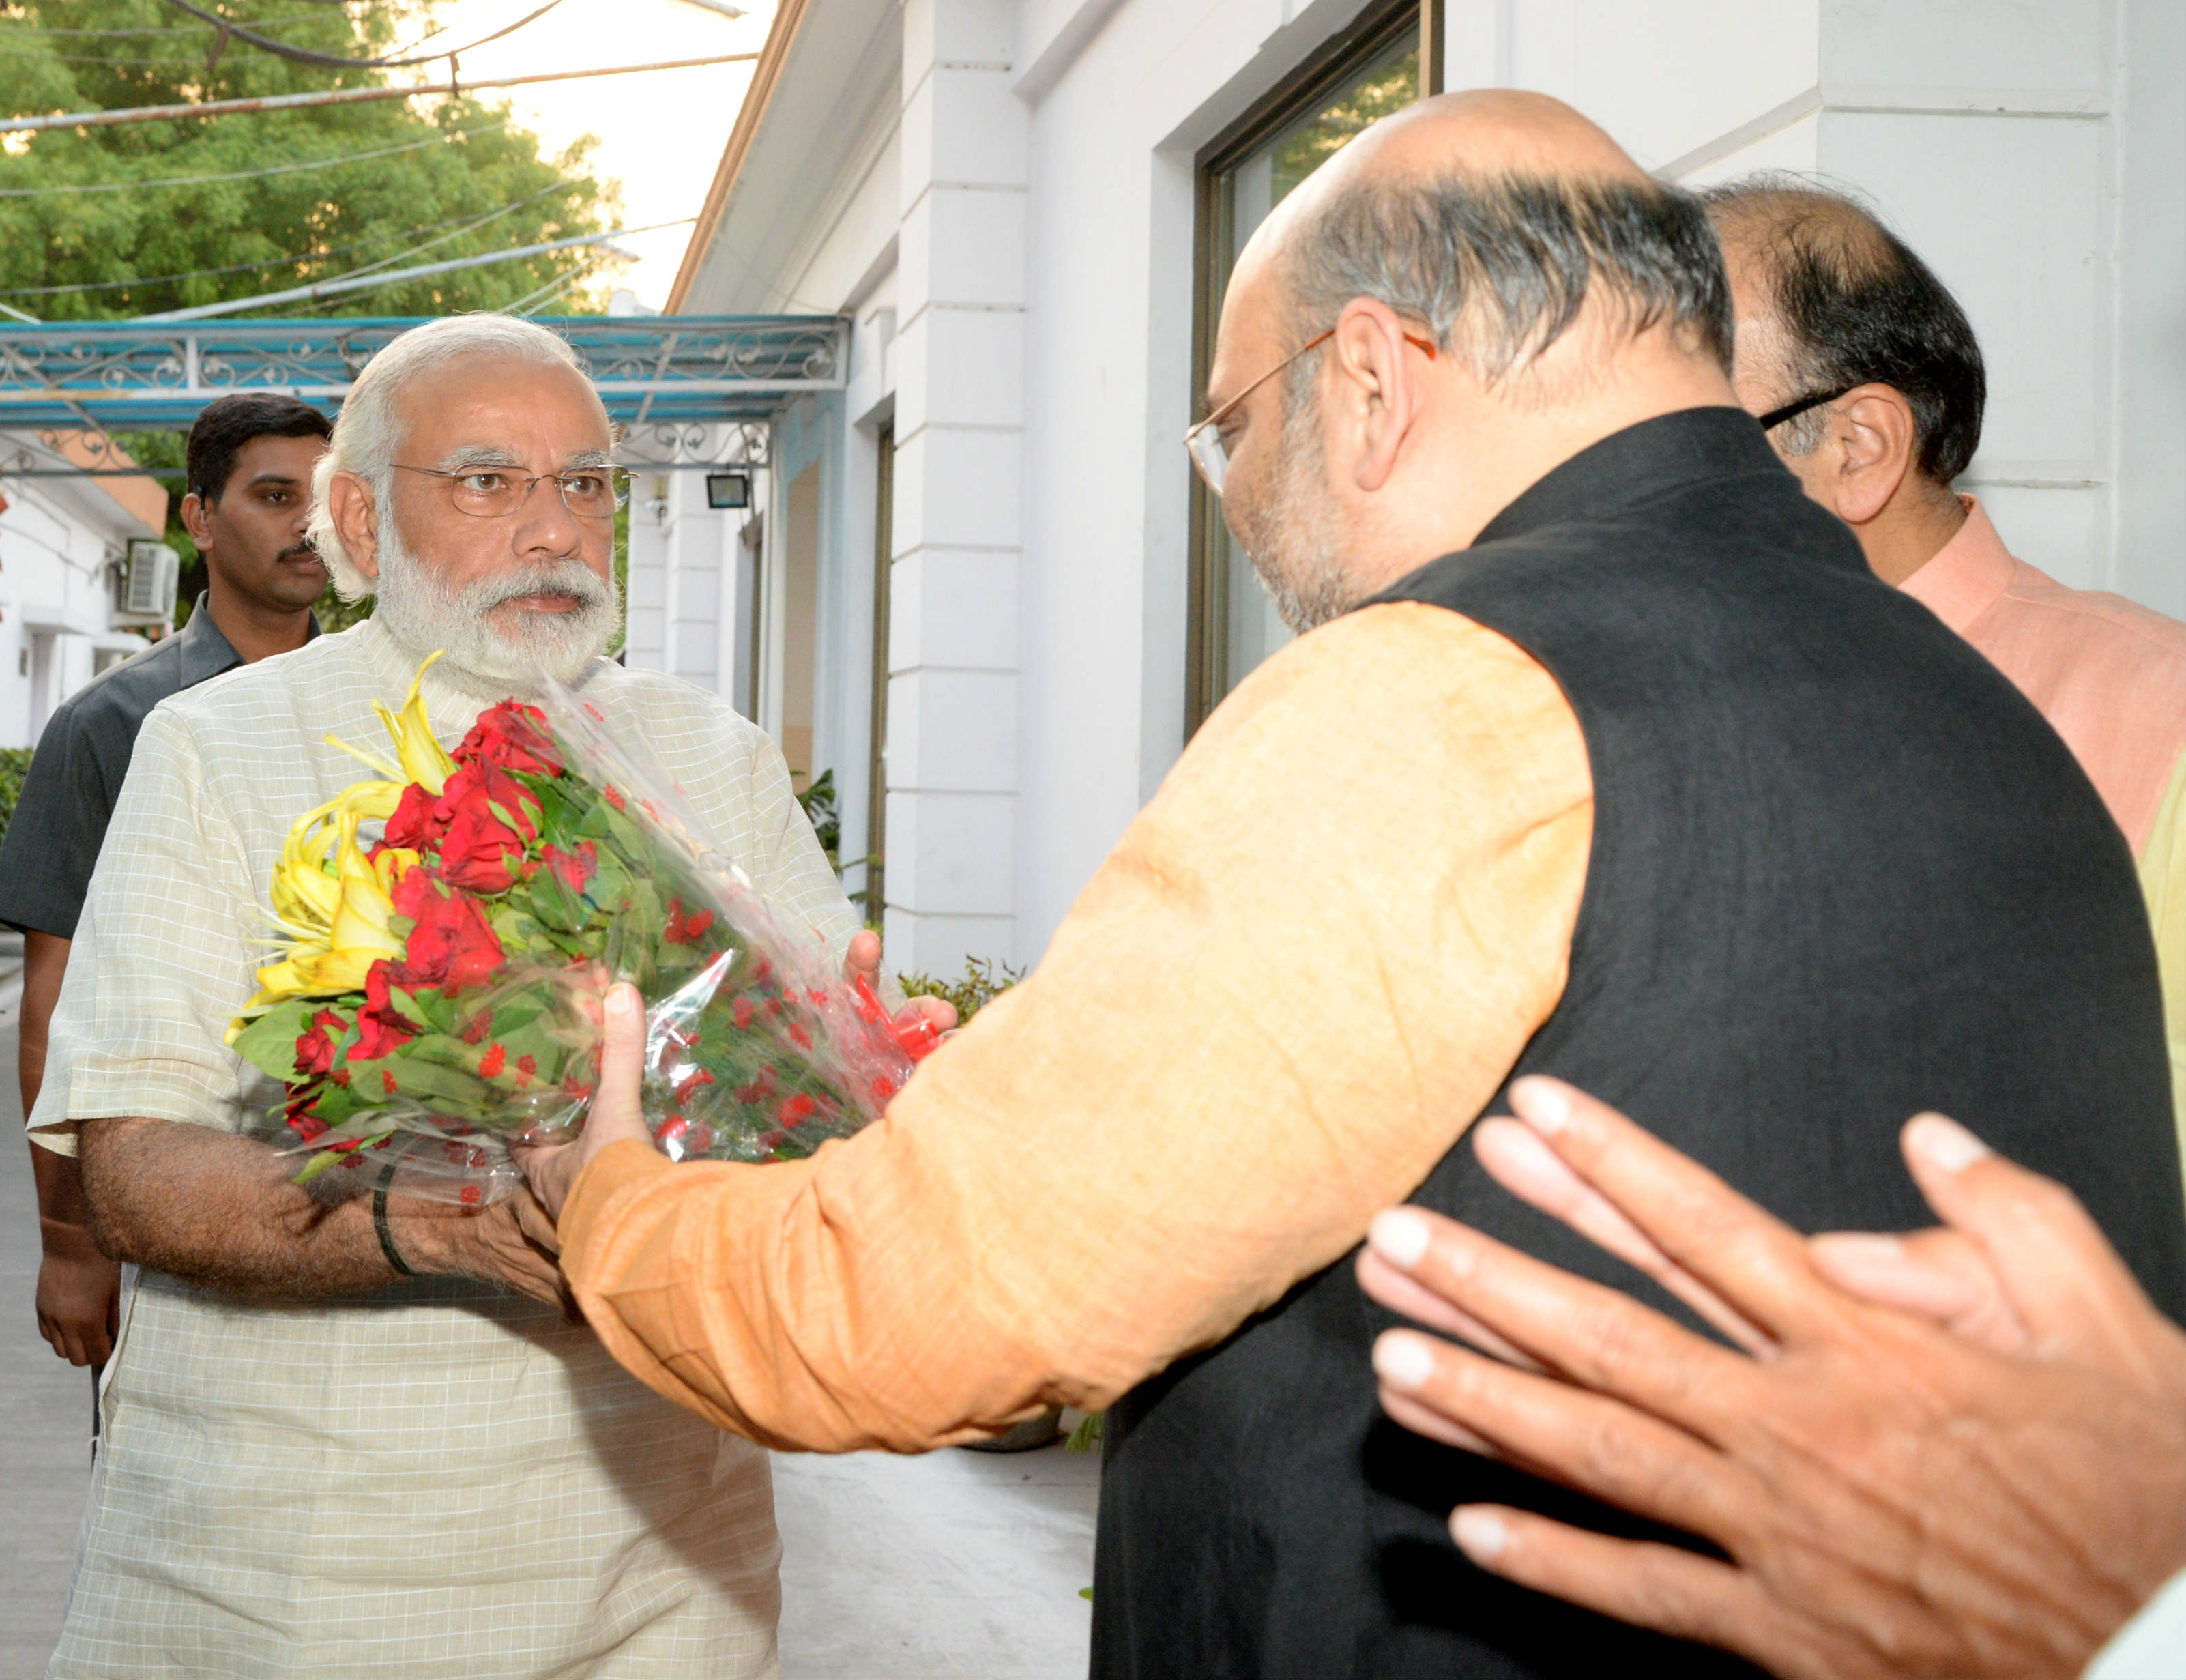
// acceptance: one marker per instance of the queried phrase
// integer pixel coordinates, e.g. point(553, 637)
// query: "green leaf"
point(556, 906)
point(269, 1043)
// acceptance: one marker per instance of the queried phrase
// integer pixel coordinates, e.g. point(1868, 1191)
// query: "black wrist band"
point(379, 1225)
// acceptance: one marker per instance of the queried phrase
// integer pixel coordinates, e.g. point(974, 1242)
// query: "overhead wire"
point(342, 285)
point(192, 110)
point(466, 219)
point(539, 296)
point(305, 55)
point(255, 174)
point(25, 25)
point(477, 222)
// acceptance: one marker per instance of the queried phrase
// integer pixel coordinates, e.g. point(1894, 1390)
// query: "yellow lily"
point(306, 881)
point(422, 759)
point(356, 932)
point(330, 898)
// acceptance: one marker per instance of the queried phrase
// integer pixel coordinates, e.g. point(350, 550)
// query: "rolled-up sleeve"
point(1301, 975)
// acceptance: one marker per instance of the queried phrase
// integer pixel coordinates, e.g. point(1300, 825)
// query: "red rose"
point(685, 928)
point(452, 944)
point(382, 1029)
point(573, 869)
point(314, 1047)
point(511, 736)
point(688, 1086)
point(415, 824)
point(491, 817)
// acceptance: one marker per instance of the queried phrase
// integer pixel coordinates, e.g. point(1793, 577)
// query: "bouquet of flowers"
point(438, 994)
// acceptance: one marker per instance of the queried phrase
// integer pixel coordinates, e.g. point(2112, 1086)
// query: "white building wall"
point(686, 609)
point(58, 537)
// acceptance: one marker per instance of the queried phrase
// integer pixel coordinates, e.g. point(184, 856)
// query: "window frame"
point(1376, 29)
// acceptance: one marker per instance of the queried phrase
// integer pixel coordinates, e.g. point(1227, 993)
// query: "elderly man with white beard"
point(339, 1445)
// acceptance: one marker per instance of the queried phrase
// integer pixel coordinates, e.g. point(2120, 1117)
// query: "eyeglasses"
point(1210, 450)
point(1791, 411)
point(495, 493)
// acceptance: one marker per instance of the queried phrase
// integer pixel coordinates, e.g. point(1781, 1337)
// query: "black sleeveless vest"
point(1840, 872)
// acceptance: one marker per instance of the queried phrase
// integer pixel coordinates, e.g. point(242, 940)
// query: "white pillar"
point(959, 424)
point(645, 639)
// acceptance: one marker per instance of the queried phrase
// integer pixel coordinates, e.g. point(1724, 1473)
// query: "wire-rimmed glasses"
point(1210, 450)
point(495, 493)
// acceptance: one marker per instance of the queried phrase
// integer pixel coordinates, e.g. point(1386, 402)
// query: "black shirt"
point(75, 775)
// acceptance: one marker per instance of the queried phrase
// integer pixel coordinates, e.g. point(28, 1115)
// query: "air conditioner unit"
point(148, 576)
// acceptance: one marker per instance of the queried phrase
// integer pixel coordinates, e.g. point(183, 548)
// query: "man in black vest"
point(1627, 768)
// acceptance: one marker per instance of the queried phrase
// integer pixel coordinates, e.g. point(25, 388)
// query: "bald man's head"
point(1464, 297)
point(1495, 217)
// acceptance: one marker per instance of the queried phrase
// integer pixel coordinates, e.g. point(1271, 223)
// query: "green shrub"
point(14, 765)
point(984, 980)
point(818, 802)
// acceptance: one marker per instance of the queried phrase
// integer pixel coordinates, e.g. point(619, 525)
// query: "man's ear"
point(1376, 397)
point(1877, 441)
point(194, 522)
point(355, 514)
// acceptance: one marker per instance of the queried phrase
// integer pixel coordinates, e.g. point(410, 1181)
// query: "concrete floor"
point(958, 1564)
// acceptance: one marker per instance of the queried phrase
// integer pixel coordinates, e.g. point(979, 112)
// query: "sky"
point(661, 133)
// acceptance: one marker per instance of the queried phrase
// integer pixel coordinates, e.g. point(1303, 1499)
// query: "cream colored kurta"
point(443, 1480)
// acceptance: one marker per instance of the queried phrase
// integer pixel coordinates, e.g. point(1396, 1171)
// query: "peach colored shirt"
point(1280, 1002)
point(2110, 676)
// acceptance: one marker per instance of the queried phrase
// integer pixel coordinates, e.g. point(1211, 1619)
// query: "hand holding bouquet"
point(439, 997)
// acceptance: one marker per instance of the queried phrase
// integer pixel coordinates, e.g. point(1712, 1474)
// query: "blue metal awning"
point(671, 370)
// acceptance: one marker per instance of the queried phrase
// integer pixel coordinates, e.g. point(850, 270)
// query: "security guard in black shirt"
point(249, 464)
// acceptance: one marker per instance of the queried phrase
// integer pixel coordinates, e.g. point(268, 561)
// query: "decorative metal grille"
point(677, 370)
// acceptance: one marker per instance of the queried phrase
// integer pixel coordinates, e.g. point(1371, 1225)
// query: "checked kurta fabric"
point(443, 1480)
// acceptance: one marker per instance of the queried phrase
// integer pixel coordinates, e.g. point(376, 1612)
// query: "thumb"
point(2063, 1278)
point(622, 1060)
point(864, 955)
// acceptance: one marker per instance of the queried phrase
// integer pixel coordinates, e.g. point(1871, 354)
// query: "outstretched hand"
point(618, 1111)
point(1958, 1452)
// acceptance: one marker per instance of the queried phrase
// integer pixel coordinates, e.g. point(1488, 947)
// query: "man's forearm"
point(223, 1210)
point(59, 1180)
point(45, 960)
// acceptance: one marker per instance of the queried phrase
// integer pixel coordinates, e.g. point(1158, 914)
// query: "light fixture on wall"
point(728, 490)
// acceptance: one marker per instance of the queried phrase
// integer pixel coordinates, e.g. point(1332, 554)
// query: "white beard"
point(493, 658)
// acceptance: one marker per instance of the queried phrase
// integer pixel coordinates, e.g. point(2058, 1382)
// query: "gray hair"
point(1512, 260)
point(367, 432)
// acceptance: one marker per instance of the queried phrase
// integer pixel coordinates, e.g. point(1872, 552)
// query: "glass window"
point(1362, 77)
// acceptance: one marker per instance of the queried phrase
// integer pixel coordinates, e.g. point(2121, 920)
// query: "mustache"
point(569, 577)
point(300, 551)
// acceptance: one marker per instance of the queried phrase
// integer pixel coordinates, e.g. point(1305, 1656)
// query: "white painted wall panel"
point(2059, 529)
point(1795, 147)
point(952, 731)
point(1669, 76)
point(2008, 210)
point(953, 609)
point(955, 854)
point(1990, 44)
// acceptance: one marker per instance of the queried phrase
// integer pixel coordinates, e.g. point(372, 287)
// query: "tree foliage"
point(452, 178)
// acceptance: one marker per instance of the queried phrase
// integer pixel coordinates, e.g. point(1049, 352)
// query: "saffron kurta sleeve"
point(1301, 975)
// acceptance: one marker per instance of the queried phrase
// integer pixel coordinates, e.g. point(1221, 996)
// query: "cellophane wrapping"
point(552, 861)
